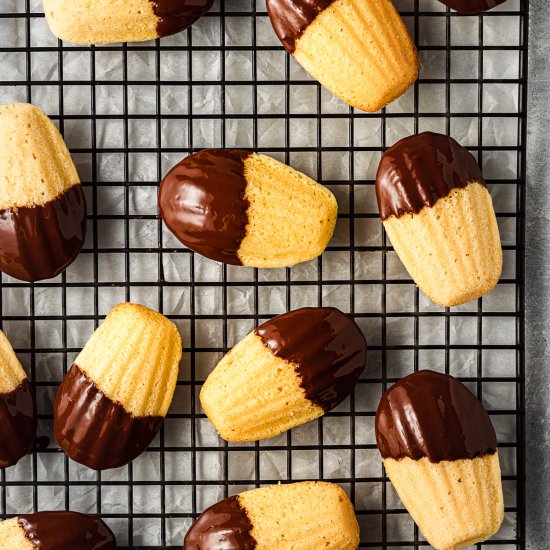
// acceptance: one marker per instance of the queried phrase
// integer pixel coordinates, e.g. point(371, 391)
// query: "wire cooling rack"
point(129, 112)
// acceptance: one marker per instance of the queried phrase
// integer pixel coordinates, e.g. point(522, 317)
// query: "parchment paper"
point(121, 156)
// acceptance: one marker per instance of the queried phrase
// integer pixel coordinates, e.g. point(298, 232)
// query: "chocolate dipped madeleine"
point(114, 398)
point(361, 51)
point(439, 450)
point(288, 371)
point(56, 531)
point(242, 208)
point(42, 205)
point(472, 6)
point(110, 21)
point(17, 407)
point(439, 216)
point(315, 513)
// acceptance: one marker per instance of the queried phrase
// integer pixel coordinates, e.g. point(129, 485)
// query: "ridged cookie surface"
point(242, 208)
point(361, 51)
point(439, 449)
point(439, 217)
point(42, 205)
point(56, 531)
point(17, 407)
point(115, 396)
point(289, 371)
point(454, 503)
point(109, 21)
point(304, 516)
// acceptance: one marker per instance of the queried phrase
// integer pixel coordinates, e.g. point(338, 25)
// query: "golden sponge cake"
point(114, 398)
point(308, 516)
point(288, 371)
point(439, 217)
point(242, 208)
point(439, 450)
point(360, 50)
point(42, 206)
point(109, 21)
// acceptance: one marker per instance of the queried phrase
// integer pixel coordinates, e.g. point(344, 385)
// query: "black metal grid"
point(481, 343)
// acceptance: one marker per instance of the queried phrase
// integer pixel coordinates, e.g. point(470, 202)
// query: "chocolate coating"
point(17, 423)
point(472, 6)
point(202, 202)
point(433, 415)
point(421, 169)
point(290, 18)
point(39, 242)
point(177, 15)
point(66, 531)
point(224, 526)
point(96, 431)
point(328, 348)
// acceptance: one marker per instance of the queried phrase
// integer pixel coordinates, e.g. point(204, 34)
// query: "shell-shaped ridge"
point(133, 358)
point(454, 503)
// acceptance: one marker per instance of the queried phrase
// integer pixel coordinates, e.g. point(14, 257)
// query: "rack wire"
point(128, 112)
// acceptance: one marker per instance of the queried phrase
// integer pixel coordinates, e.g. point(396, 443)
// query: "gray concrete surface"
point(538, 281)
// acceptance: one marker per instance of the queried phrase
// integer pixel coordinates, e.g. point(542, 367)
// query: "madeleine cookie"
point(242, 208)
point(114, 398)
point(17, 407)
point(472, 6)
point(56, 531)
point(309, 515)
point(439, 217)
point(289, 371)
point(109, 21)
point(42, 206)
point(361, 51)
point(439, 450)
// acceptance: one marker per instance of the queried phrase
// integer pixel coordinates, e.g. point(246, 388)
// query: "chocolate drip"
point(17, 423)
point(224, 526)
point(428, 414)
point(66, 531)
point(421, 169)
point(39, 242)
point(290, 18)
point(96, 431)
point(328, 348)
point(472, 6)
point(202, 202)
point(176, 15)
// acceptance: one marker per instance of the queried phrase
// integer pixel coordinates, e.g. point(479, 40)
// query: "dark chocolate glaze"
point(41, 443)
point(421, 169)
point(290, 18)
point(328, 348)
point(224, 526)
point(66, 531)
point(17, 423)
point(472, 6)
point(202, 202)
point(96, 431)
point(433, 415)
point(39, 242)
point(176, 15)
